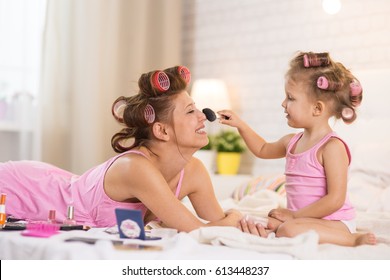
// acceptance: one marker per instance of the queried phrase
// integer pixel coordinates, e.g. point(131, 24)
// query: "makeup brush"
point(210, 115)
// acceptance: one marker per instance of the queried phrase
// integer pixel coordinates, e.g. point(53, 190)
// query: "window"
point(21, 30)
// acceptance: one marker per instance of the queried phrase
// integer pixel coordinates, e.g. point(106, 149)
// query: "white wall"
point(249, 43)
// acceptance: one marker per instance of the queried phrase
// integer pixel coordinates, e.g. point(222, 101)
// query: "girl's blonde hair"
point(327, 80)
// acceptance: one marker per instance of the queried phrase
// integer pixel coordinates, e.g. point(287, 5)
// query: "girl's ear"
point(318, 108)
point(160, 131)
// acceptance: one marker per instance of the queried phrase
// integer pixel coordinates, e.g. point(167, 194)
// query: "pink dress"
point(306, 180)
point(34, 188)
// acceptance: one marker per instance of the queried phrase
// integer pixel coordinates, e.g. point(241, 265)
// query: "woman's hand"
point(233, 215)
point(281, 214)
point(250, 226)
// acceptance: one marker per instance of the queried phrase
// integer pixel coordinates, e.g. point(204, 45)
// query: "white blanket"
point(303, 246)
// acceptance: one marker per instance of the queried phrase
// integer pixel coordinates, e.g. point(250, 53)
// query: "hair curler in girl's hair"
point(356, 88)
point(315, 59)
point(355, 93)
point(149, 114)
point(184, 73)
point(160, 81)
point(325, 84)
point(347, 113)
point(322, 82)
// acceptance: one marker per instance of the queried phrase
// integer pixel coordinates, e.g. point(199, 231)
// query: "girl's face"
point(297, 104)
point(188, 123)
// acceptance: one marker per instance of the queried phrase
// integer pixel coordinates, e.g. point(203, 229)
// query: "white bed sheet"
point(13, 246)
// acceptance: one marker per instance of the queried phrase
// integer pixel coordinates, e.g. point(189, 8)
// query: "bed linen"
point(219, 243)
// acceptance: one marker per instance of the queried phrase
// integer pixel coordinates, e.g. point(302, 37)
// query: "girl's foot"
point(365, 239)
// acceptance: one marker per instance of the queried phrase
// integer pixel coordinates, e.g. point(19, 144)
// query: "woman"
point(152, 174)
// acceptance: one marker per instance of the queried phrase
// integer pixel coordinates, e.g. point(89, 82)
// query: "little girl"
point(317, 88)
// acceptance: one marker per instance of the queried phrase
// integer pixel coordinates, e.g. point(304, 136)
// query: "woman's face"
point(188, 123)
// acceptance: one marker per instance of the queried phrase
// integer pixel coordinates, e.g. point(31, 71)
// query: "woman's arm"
point(201, 192)
point(140, 179)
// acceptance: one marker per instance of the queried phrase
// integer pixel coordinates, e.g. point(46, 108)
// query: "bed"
point(368, 186)
point(219, 243)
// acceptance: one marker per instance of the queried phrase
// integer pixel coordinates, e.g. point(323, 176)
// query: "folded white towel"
point(303, 246)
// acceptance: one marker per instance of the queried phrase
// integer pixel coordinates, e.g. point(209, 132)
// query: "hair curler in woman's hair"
point(117, 109)
point(160, 81)
point(210, 115)
point(149, 114)
point(325, 84)
point(315, 59)
point(184, 73)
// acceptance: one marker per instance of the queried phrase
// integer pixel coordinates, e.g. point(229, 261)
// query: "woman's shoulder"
point(131, 162)
point(195, 171)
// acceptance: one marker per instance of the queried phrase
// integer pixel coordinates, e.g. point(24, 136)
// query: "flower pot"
point(228, 163)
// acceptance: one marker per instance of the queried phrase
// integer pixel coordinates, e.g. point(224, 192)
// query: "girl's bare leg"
point(334, 232)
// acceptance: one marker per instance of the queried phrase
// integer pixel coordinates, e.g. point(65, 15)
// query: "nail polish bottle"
point(3, 216)
point(52, 217)
point(70, 216)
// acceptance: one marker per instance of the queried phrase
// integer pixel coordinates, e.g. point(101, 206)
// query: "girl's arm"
point(256, 144)
point(335, 160)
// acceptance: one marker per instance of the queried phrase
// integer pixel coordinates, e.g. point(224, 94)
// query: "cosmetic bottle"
point(52, 217)
point(70, 216)
point(3, 216)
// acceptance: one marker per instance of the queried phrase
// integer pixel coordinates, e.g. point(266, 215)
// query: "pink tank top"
point(33, 188)
point(306, 180)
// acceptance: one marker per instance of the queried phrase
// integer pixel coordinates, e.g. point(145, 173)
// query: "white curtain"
point(94, 51)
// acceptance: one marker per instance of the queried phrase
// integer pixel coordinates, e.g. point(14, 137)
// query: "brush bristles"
point(210, 115)
point(40, 229)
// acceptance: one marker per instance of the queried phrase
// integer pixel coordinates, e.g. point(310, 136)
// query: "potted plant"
point(207, 155)
point(229, 146)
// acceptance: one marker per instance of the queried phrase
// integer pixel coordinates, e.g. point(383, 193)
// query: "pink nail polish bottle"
point(70, 216)
point(52, 217)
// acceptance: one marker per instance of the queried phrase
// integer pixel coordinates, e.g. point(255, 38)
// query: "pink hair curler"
point(347, 113)
point(118, 108)
point(184, 73)
point(306, 62)
point(325, 84)
point(315, 59)
point(160, 81)
point(149, 114)
point(322, 82)
point(356, 88)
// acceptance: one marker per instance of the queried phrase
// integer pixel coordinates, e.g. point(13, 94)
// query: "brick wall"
point(248, 43)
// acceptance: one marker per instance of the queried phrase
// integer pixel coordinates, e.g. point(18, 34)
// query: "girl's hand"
point(229, 117)
point(281, 214)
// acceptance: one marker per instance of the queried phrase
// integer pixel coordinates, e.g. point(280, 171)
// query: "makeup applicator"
point(210, 115)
